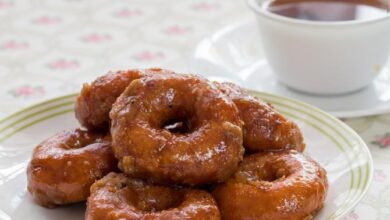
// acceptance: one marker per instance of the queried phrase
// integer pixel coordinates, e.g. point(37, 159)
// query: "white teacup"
point(323, 57)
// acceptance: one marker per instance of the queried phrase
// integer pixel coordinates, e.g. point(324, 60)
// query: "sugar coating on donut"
point(64, 166)
point(273, 185)
point(117, 196)
point(264, 128)
point(95, 100)
point(206, 148)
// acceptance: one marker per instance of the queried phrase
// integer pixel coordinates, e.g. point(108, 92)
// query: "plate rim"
point(340, 123)
point(370, 162)
point(205, 43)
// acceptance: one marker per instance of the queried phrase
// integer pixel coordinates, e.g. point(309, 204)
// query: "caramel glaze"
point(95, 100)
point(209, 149)
point(117, 196)
point(264, 128)
point(63, 167)
point(274, 185)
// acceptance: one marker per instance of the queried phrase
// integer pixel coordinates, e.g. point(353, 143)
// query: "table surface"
point(49, 48)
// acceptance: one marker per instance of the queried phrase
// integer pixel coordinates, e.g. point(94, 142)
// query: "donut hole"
point(155, 199)
point(181, 126)
point(273, 173)
point(179, 121)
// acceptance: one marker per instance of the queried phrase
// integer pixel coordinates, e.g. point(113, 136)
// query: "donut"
point(264, 128)
point(208, 146)
point(63, 167)
point(117, 196)
point(273, 185)
point(95, 100)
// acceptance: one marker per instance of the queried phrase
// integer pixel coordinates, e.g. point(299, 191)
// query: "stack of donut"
point(155, 144)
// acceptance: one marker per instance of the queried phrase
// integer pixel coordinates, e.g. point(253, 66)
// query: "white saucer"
point(235, 54)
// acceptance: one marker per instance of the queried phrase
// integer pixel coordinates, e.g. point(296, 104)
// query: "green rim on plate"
point(360, 176)
point(359, 187)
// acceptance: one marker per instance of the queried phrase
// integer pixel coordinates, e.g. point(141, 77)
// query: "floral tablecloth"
point(50, 47)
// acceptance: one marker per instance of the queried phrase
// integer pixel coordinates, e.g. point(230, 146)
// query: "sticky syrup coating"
point(264, 128)
point(117, 196)
point(95, 100)
point(63, 167)
point(273, 185)
point(207, 150)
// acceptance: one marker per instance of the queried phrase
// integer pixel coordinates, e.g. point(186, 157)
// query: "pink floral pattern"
point(206, 6)
point(27, 91)
point(14, 45)
point(379, 175)
point(63, 64)
point(127, 13)
point(44, 46)
point(177, 30)
point(351, 216)
point(5, 4)
point(148, 56)
point(383, 141)
point(46, 20)
point(96, 38)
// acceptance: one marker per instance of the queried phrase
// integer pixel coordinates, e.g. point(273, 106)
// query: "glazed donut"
point(95, 100)
point(119, 197)
point(264, 128)
point(208, 148)
point(273, 185)
point(63, 167)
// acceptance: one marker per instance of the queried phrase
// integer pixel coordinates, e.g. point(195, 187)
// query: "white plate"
point(336, 146)
point(235, 54)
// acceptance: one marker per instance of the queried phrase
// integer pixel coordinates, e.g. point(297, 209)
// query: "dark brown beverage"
point(330, 10)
